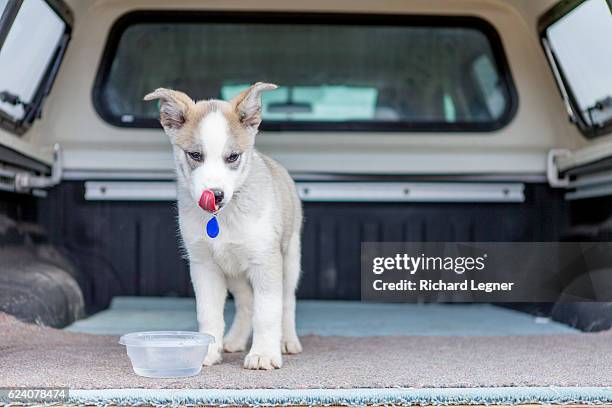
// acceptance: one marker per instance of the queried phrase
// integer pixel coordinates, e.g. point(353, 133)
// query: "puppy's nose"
point(218, 195)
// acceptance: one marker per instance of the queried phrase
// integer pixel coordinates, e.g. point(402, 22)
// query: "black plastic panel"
point(131, 248)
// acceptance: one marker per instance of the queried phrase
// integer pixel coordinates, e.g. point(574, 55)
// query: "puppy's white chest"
point(249, 236)
point(239, 244)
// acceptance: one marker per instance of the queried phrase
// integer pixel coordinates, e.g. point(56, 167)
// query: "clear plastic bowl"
point(167, 354)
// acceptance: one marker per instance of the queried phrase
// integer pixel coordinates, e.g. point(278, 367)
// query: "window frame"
point(7, 122)
point(199, 16)
point(550, 17)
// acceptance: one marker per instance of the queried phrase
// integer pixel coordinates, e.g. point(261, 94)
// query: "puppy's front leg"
point(210, 289)
point(267, 282)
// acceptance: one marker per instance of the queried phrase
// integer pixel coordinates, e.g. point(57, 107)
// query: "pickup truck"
point(442, 121)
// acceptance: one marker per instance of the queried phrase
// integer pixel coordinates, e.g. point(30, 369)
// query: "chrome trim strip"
point(590, 192)
point(329, 191)
point(590, 185)
point(130, 190)
point(591, 179)
point(411, 192)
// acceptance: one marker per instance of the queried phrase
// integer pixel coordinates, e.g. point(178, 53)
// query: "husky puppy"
point(256, 255)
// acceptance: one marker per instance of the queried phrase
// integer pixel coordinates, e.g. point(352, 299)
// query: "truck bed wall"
point(131, 248)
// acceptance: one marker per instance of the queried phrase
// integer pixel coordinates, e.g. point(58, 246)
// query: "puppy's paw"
point(233, 345)
point(262, 361)
point(291, 346)
point(213, 356)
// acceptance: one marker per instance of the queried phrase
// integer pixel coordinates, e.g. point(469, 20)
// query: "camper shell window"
point(34, 35)
point(582, 60)
point(335, 71)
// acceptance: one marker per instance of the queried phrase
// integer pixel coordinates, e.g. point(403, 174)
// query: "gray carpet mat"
point(35, 356)
point(330, 318)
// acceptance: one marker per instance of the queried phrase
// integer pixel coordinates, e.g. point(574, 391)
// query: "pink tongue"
point(207, 201)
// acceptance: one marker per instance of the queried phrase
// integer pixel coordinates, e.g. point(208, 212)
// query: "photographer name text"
point(439, 285)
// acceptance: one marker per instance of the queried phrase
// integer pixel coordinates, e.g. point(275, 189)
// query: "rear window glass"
point(581, 44)
point(29, 58)
point(342, 72)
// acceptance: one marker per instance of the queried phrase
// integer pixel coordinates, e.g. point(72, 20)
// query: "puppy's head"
point(212, 140)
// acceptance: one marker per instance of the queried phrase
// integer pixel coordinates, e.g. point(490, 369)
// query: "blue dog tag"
point(212, 227)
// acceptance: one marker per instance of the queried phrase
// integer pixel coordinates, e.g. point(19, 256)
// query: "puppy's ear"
point(247, 104)
point(173, 108)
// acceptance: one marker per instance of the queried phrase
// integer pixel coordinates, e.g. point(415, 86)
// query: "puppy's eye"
point(195, 156)
point(233, 157)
